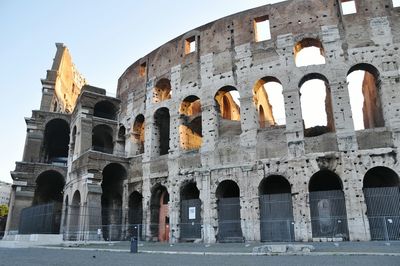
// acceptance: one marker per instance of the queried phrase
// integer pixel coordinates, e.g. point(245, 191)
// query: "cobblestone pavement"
point(56, 257)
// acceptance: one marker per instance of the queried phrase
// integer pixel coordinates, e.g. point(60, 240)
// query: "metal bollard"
point(134, 245)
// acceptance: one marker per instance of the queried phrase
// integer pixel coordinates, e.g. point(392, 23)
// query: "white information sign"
point(192, 213)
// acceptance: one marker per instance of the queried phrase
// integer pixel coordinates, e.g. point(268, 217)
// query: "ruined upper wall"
point(297, 18)
point(63, 83)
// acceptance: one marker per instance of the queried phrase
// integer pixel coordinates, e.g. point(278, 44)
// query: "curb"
point(210, 253)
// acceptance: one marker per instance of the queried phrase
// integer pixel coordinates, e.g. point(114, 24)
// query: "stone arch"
point(162, 129)
point(228, 108)
point(138, 130)
point(105, 109)
point(159, 215)
point(102, 139)
point(190, 212)
point(229, 221)
point(49, 187)
point(56, 141)
point(381, 189)
point(75, 209)
point(276, 211)
point(269, 101)
point(315, 101)
point(190, 128)
point(111, 200)
point(327, 206)
point(309, 51)
point(364, 90)
point(162, 90)
point(135, 214)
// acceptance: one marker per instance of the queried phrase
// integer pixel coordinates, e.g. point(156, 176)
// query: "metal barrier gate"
point(229, 228)
point(276, 217)
point(41, 219)
point(190, 219)
point(383, 211)
point(328, 214)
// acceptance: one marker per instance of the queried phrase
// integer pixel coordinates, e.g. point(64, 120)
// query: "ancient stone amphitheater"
point(212, 137)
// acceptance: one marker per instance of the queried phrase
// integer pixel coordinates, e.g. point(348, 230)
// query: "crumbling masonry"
point(177, 156)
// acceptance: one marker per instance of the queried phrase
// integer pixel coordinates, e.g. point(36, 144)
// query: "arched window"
point(161, 121)
point(190, 129)
point(309, 51)
point(102, 139)
point(364, 85)
point(268, 99)
point(105, 109)
point(56, 141)
point(227, 99)
point(162, 90)
point(138, 134)
point(316, 105)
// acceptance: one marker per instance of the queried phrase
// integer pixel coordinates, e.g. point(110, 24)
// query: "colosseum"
point(211, 136)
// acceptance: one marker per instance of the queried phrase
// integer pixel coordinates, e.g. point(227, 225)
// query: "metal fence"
point(40, 219)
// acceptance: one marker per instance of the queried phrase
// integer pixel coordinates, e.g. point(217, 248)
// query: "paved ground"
point(55, 257)
point(339, 247)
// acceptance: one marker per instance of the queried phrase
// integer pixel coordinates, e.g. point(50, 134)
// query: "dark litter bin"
point(134, 245)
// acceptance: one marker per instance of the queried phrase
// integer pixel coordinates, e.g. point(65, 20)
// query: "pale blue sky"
point(104, 38)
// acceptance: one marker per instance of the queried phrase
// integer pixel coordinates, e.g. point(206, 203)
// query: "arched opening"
point(316, 105)
point(228, 202)
point(364, 86)
point(162, 90)
point(190, 212)
point(309, 51)
point(228, 103)
point(102, 139)
point(49, 188)
point(105, 109)
point(135, 217)
point(190, 128)
point(73, 141)
point(56, 141)
point(159, 218)
point(121, 140)
point(276, 213)
point(111, 200)
point(268, 99)
point(75, 216)
point(327, 206)
point(161, 121)
point(382, 197)
point(138, 134)
point(44, 217)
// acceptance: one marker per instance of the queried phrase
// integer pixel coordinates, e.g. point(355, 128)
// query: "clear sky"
point(104, 38)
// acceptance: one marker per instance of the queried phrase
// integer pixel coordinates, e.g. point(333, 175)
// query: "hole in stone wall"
point(190, 45)
point(162, 120)
point(162, 90)
point(227, 99)
point(262, 29)
point(190, 129)
point(348, 7)
point(363, 86)
point(316, 105)
point(138, 134)
point(308, 52)
point(268, 99)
